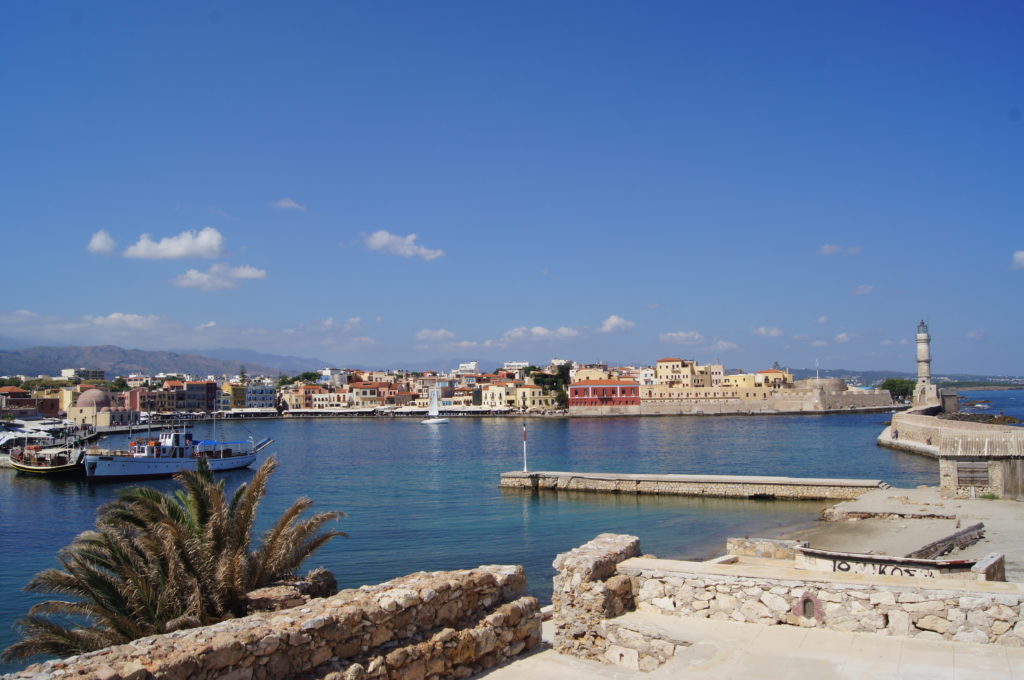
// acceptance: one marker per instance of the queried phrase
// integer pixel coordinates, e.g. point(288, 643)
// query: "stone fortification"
point(589, 593)
point(831, 396)
point(974, 458)
point(722, 486)
point(423, 626)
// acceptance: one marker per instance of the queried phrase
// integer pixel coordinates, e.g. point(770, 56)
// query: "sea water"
point(426, 497)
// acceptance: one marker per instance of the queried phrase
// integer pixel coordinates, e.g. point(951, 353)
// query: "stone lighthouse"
point(925, 394)
point(924, 355)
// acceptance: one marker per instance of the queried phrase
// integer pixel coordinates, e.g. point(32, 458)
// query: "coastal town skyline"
point(371, 185)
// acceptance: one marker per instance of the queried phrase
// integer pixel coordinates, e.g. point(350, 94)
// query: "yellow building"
point(740, 380)
point(236, 392)
point(532, 398)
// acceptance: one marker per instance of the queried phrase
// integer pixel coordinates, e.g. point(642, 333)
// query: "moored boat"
point(173, 452)
point(48, 461)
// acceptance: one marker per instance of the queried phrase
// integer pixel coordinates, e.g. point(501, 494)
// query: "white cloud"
point(832, 249)
point(819, 343)
point(539, 333)
point(616, 324)
point(682, 338)
point(723, 346)
point(822, 319)
point(435, 335)
point(121, 320)
point(403, 246)
point(287, 204)
point(841, 338)
point(888, 343)
point(102, 243)
point(206, 243)
point(976, 334)
point(218, 277)
point(768, 331)
point(904, 341)
point(208, 324)
point(1018, 259)
point(801, 337)
point(863, 290)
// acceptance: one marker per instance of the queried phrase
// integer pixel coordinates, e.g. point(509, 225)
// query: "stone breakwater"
point(424, 626)
point(599, 583)
point(723, 486)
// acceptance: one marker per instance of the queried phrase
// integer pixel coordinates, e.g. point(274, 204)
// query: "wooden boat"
point(49, 461)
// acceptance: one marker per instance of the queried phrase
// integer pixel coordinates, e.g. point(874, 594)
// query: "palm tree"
point(159, 562)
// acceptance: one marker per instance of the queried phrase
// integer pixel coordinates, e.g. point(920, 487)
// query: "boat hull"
point(68, 470)
point(435, 421)
point(101, 467)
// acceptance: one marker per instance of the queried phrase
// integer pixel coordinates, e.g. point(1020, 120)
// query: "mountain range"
point(117, 361)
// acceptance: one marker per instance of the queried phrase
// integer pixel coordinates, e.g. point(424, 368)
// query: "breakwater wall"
point(722, 486)
point(451, 624)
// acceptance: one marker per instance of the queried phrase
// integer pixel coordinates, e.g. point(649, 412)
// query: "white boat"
point(173, 452)
point(434, 411)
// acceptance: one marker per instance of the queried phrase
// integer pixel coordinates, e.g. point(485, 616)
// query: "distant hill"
point(119, 361)
point(284, 363)
point(875, 377)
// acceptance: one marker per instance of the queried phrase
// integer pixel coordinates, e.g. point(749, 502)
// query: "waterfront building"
point(200, 395)
point(532, 398)
point(605, 393)
point(260, 395)
point(235, 394)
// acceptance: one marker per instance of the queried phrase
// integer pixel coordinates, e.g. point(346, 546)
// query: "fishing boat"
point(434, 410)
point(49, 461)
point(173, 452)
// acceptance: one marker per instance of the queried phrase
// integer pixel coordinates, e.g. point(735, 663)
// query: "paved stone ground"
point(723, 650)
point(1003, 521)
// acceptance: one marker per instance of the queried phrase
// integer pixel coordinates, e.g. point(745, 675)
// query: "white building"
point(515, 365)
point(469, 368)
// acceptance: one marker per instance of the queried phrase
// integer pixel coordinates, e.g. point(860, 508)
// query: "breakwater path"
point(714, 486)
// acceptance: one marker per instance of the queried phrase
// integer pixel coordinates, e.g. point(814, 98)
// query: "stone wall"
point(599, 581)
point(771, 548)
point(423, 626)
point(980, 612)
point(587, 591)
point(720, 486)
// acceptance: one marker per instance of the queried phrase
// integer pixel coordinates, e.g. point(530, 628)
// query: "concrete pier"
point(721, 486)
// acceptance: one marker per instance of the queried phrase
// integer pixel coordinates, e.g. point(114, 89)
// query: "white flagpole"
point(524, 448)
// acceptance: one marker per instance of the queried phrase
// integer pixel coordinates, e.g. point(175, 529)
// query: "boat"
point(173, 452)
point(434, 411)
point(49, 461)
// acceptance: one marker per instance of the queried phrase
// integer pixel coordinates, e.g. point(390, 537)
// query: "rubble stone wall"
point(587, 590)
point(428, 625)
point(969, 612)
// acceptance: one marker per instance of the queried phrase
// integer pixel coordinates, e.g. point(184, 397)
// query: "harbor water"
point(426, 497)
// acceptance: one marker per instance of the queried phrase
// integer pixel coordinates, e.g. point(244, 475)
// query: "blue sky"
point(387, 183)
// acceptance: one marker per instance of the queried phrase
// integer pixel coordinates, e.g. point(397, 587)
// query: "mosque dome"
point(93, 398)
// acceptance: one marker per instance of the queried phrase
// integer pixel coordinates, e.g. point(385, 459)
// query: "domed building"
point(99, 409)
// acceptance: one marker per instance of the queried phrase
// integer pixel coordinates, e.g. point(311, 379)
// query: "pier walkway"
point(722, 486)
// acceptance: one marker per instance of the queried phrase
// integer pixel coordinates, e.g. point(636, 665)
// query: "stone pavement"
point(723, 650)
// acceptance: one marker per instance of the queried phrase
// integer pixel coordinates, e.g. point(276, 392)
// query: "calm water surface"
point(425, 498)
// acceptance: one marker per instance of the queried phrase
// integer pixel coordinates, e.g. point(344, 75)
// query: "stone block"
point(971, 635)
point(882, 597)
point(933, 623)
